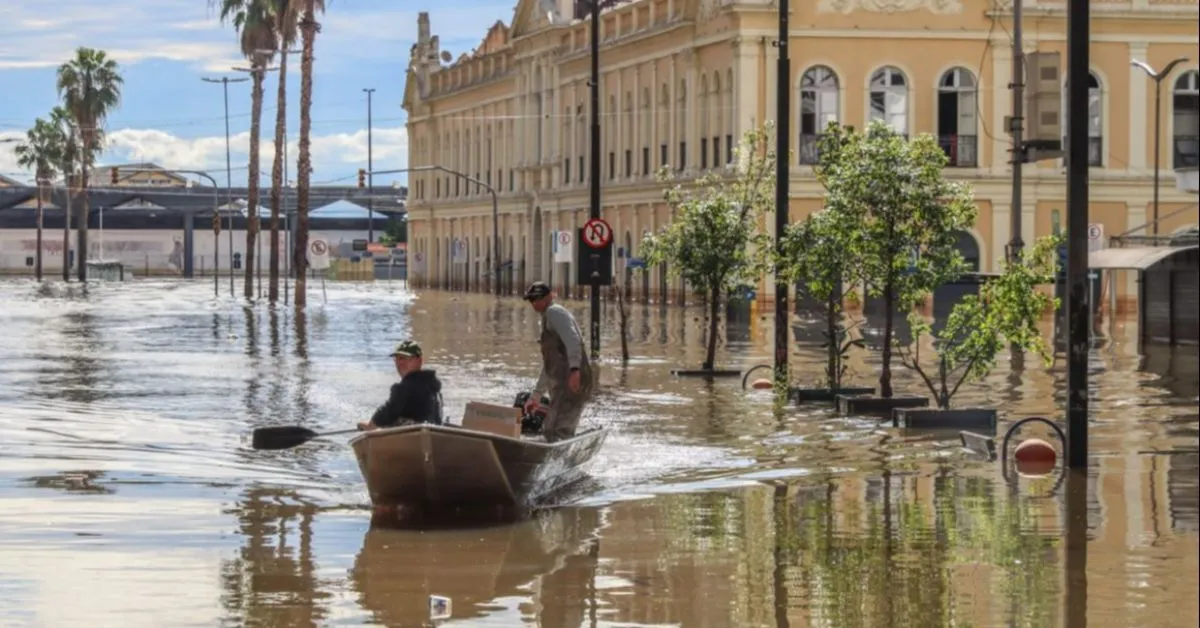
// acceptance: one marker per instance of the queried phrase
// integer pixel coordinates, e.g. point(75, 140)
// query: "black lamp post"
point(1157, 77)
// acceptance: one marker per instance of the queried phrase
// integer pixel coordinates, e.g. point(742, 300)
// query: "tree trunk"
point(885, 372)
point(308, 31)
point(37, 264)
point(81, 233)
point(714, 309)
point(256, 98)
point(833, 366)
point(68, 209)
point(277, 177)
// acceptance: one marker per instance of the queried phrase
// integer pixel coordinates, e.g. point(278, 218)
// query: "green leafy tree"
point(820, 255)
point(90, 88)
point(1004, 313)
point(713, 242)
point(910, 215)
point(41, 152)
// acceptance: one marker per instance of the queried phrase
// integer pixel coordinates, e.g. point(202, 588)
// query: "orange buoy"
point(762, 384)
point(1035, 457)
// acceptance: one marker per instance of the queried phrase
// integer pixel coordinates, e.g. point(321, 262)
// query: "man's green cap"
point(408, 349)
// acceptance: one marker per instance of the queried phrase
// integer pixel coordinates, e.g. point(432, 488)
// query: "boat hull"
point(443, 467)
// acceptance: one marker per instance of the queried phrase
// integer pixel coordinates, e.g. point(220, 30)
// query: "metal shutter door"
point(1186, 313)
point(1157, 308)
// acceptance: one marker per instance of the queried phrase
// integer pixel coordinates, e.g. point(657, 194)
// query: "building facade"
point(683, 79)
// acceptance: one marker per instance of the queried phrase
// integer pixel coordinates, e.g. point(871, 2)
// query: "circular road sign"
point(318, 248)
point(597, 233)
point(1095, 231)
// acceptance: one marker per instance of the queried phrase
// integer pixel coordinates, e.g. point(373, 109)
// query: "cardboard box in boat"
point(493, 419)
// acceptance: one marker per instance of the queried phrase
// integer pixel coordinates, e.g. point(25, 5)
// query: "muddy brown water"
point(129, 495)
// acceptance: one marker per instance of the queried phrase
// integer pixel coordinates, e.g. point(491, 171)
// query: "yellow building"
point(682, 79)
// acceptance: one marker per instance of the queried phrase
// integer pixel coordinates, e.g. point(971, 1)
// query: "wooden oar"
point(286, 436)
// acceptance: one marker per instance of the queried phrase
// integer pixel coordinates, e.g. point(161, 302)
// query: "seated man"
point(417, 398)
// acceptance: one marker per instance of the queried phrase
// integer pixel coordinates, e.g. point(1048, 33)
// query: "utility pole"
point(783, 135)
point(594, 169)
point(1016, 129)
point(1078, 312)
point(370, 168)
point(225, 81)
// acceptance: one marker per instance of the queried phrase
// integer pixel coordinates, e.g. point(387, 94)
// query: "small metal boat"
point(442, 469)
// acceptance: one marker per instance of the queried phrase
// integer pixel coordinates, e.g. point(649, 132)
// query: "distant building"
point(137, 175)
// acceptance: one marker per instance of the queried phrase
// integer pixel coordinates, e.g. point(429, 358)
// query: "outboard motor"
point(531, 424)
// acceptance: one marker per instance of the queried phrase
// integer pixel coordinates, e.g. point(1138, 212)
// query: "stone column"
point(1001, 103)
point(745, 88)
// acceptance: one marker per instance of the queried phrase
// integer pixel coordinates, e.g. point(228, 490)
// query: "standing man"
point(566, 372)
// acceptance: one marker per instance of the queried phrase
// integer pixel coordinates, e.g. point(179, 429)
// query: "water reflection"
point(862, 525)
point(480, 570)
point(272, 581)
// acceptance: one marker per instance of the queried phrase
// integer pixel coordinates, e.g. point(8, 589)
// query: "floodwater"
point(129, 495)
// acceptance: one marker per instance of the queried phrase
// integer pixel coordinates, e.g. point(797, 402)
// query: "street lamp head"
point(1171, 66)
point(1144, 66)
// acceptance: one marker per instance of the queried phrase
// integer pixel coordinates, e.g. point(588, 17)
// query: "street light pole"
point(370, 166)
point(495, 207)
point(783, 117)
point(594, 169)
point(225, 81)
point(1157, 77)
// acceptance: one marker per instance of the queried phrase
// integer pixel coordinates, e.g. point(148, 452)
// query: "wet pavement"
point(129, 495)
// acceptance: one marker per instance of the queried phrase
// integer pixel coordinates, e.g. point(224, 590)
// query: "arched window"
point(647, 131)
point(1185, 103)
point(889, 98)
point(819, 96)
point(581, 142)
point(714, 114)
point(703, 107)
point(957, 118)
point(628, 121)
point(1095, 143)
point(664, 125)
point(539, 113)
point(610, 122)
point(681, 123)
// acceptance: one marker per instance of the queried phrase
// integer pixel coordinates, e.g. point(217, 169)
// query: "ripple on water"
point(128, 487)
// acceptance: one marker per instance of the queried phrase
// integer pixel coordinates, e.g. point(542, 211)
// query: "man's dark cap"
point(537, 290)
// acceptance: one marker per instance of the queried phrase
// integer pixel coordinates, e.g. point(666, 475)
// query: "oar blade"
point(281, 437)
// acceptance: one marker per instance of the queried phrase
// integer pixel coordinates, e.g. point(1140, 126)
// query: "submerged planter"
point(706, 373)
point(877, 406)
point(979, 420)
point(801, 395)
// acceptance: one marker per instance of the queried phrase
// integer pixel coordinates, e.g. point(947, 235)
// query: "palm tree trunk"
point(308, 30)
point(277, 175)
point(252, 226)
point(68, 209)
point(37, 264)
point(81, 233)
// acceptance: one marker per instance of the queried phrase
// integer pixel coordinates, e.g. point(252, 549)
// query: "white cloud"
point(334, 155)
point(136, 30)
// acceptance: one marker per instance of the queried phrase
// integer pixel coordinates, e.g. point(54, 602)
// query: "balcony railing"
point(963, 150)
point(1187, 151)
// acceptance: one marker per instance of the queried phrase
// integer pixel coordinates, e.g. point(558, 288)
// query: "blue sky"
point(170, 117)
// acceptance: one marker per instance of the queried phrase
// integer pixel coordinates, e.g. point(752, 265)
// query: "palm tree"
point(286, 14)
point(254, 22)
point(40, 152)
point(90, 87)
point(308, 32)
point(68, 166)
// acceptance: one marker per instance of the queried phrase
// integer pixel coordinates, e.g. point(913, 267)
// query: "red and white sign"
point(564, 247)
point(1095, 235)
point(597, 233)
point(318, 255)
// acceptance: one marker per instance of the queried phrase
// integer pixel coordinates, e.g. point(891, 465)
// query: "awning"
point(1133, 258)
